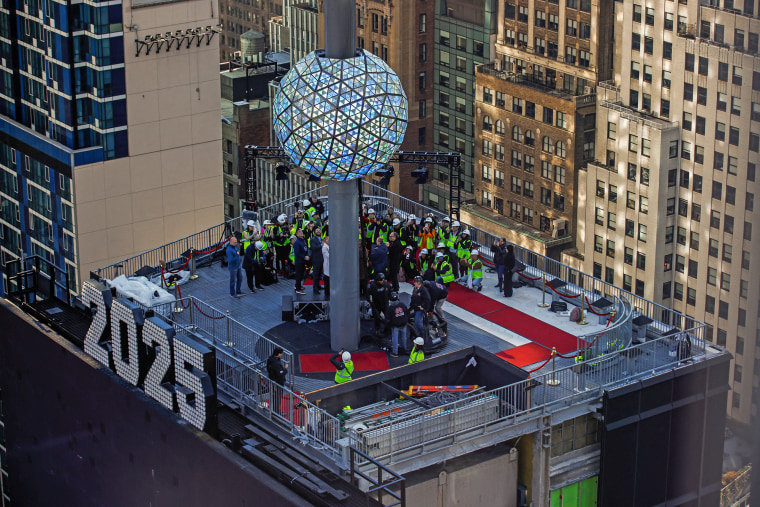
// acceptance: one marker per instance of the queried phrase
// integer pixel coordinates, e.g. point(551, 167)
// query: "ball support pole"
point(343, 196)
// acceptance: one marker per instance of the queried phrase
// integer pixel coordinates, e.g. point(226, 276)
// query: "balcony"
point(537, 83)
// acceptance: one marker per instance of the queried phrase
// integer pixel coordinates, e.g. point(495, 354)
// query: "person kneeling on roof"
point(344, 367)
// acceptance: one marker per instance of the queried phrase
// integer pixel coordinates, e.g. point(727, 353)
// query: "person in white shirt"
point(326, 265)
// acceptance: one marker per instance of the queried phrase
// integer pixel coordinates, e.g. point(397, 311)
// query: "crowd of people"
point(398, 248)
point(431, 254)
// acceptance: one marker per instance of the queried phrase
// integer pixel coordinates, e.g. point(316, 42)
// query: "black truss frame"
point(451, 160)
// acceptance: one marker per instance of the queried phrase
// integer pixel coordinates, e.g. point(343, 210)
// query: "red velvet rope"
point(488, 263)
point(563, 295)
point(183, 266)
point(179, 298)
point(592, 310)
point(213, 249)
point(542, 365)
point(205, 314)
point(528, 278)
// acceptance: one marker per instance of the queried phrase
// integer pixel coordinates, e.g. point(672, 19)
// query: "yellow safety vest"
point(344, 375)
point(416, 356)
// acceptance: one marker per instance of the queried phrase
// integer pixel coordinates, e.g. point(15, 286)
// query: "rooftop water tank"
point(252, 46)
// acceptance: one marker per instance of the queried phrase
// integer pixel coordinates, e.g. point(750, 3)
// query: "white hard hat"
point(409, 247)
point(474, 252)
point(446, 219)
point(259, 245)
point(424, 251)
point(455, 224)
point(250, 223)
point(429, 220)
point(370, 211)
point(441, 245)
point(267, 222)
point(439, 254)
point(346, 356)
point(282, 218)
point(419, 341)
point(306, 203)
point(411, 217)
point(466, 231)
point(293, 236)
point(396, 221)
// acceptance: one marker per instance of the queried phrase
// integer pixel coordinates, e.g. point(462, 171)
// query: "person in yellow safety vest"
point(442, 269)
point(423, 261)
point(344, 367)
point(268, 236)
point(427, 234)
point(298, 222)
point(281, 242)
point(325, 226)
point(463, 247)
point(409, 232)
point(396, 227)
point(418, 352)
point(309, 210)
point(249, 234)
point(292, 255)
point(443, 232)
point(380, 230)
point(476, 270)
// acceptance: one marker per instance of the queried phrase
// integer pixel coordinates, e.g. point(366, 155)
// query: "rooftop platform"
point(643, 340)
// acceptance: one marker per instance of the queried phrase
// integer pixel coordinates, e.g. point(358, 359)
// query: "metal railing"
point(253, 390)
point(217, 328)
point(35, 276)
point(536, 264)
point(486, 412)
point(382, 485)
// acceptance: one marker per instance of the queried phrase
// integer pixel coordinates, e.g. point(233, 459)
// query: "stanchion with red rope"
point(563, 295)
point(529, 278)
point(183, 266)
point(542, 365)
point(204, 313)
point(217, 247)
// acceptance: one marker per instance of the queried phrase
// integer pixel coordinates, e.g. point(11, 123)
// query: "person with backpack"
point(397, 315)
point(344, 367)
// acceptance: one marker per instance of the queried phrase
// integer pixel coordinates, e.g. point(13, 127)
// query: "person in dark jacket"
point(397, 316)
point(233, 265)
point(319, 208)
point(277, 371)
point(419, 304)
point(509, 268)
point(409, 263)
point(379, 294)
point(315, 245)
point(438, 294)
point(395, 253)
point(254, 263)
point(499, 251)
point(379, 257)
point(363, 269)
point(300, 256)
point(409, 233)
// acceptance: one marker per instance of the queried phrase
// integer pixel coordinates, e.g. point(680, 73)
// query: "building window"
point(642, 233)
point(423, 23)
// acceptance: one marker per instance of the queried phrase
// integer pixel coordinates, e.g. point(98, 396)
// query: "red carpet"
point(363, 361)
point(530, 327)
point(524, 355)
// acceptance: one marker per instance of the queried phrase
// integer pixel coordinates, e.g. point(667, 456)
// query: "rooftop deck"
point(638, 343)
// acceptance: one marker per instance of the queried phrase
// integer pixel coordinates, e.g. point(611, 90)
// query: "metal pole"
point(553, 381)
point(229, 338)
point(344, 255)
point(193, 276)
point(340, 29)
point(543, 304)
point(583, 320)
point(343, 196)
